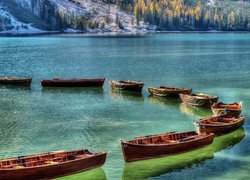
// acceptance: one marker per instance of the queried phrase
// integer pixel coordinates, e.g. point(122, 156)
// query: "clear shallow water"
point(35, 120)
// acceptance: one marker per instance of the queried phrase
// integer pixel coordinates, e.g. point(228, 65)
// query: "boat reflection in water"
point(164, 101)
point(10, 87)
point(93, 174)
point(156, 167)
point(126, 95)
point(195, 111)
point(89, 90)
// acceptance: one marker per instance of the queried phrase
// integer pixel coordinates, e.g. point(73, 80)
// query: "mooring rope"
point(116, 145)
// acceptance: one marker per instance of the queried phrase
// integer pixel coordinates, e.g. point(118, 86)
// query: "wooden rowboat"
point(157, 168)
point(127, 85)
point(219, 124)
point(199, 99)
point(49, 165)
point(153, 146)
point(165, 91)
point(56, 82)
point(233, 109)
point(17, 81)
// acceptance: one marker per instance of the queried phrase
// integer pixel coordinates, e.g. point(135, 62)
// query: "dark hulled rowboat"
point(127, 85)
point(49, 165)
point(96, 82)
point(158, 167)
point(17, 81)
point(154, 146)
point(233, 109)
point(168, 91)
point(219, 124)
point(199, 99)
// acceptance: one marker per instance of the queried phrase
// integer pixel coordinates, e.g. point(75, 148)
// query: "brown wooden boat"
point(127, 85)
point(153, 146)
point(233, 109)
point(17, 81)
point(49, 165)
point(56, 82)
point(165, 91)
point(219, 124)
point(199, 99)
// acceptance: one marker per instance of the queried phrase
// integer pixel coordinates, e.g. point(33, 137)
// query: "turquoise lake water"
point(40, 120)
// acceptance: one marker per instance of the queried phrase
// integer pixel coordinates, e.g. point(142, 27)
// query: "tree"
point(136, 14)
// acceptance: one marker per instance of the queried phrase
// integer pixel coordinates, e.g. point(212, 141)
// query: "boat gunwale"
point(240, 119)
point(42, 154)
point(169, 89)
point(202, 96)
point(215, 107)
point(72, 79)
point(58, 164)
point(123, 83)
point(170, 144)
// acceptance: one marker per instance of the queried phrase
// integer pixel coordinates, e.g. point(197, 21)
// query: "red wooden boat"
point(219, 124)
point(233, 109)
point(199, 99)
point(165, 91)
point(153, 146)
point(17, 81)
point(127, 85)
point(49, 165)
point(56, 82)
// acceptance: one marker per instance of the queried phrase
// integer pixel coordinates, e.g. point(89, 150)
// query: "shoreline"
point(115, 34)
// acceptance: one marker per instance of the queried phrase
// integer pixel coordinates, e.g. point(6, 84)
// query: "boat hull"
point(133, 152)
point(74, 83)
point(196, 101)
point(167, 93)
point(16, 81)
point(126, 87)
point(219, 129)
point(234, 109)
point(58, 170)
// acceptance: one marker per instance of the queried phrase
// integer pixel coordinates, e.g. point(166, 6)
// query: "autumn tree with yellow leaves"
point(185, 15)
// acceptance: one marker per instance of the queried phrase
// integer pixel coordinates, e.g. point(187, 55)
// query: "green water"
point(39, 120)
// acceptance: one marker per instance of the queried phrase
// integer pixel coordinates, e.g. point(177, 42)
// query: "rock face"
point(58, 15)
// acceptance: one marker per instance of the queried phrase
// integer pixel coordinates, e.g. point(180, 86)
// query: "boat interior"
point(228, 106)
point(168, 138)
point(76, 79)
point(172, 88)
point(72, 79)
point(131, 82)
point(204, 96)
point(49, 158)
point(220, 120)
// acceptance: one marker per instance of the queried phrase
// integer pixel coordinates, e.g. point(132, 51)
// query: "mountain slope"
point(84, 15)
point(123, 15)
point(10, 25)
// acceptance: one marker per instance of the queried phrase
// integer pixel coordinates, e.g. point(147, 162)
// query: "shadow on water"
point(164, 101)
point(126, 95)
point(160, 166)
point(94, 174)
point(195, 111)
